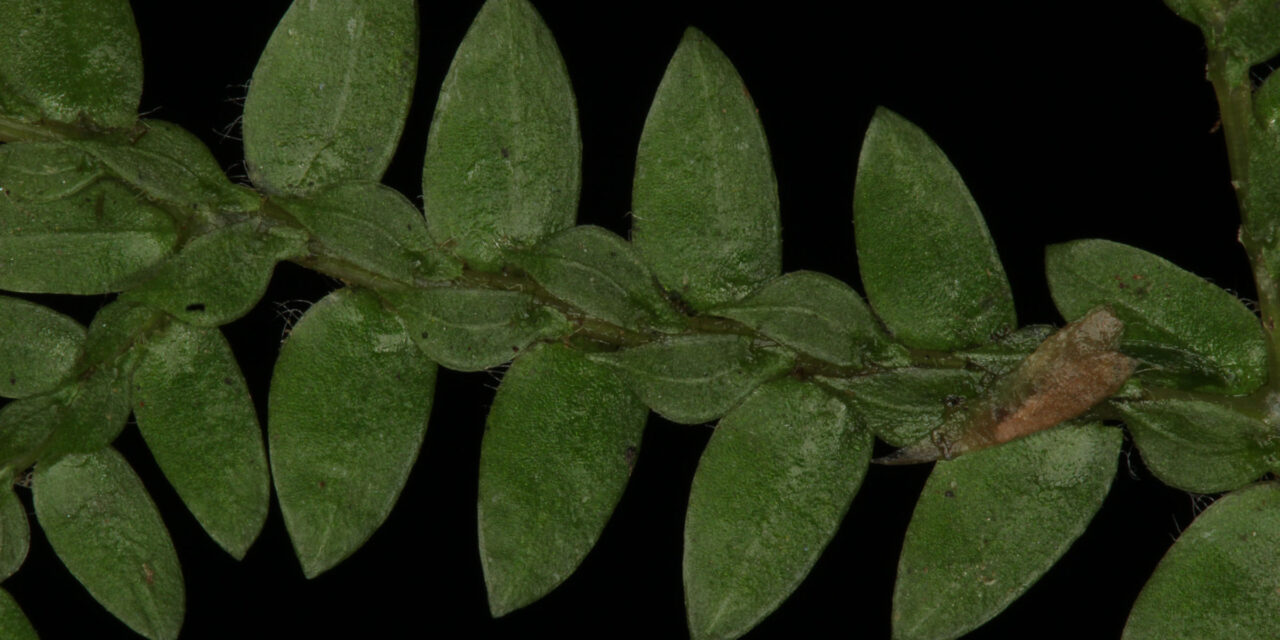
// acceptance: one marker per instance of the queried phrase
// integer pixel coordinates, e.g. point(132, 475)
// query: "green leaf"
point(504, 159)
point(70, 61)
point(1245, 28)
point(91, 241)
point(330, 94)
point(560, 442)
point(89, 415)
point(901, 406)
point(198, 420)
point(1200, 446)
point(13, 623)
point(38, 172)
point(814, 314)
point(1004, 355)
point(771, 489)
point(600, 273)
point(990, 523)
point(168, 164)
point(24, 426)
point(928, 264)
point(704, 200)
point(373, 227)
point(220, 275)
point(1221, 579)
point(15, 532)
point(695, 378)
point(103, 525)
point(1190, 331)
point(38, 347)
point(474, 329)
point(348, 409)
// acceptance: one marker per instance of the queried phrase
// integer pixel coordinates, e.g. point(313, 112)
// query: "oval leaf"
point(38, 347)
point(705, 200)
point(103, 525)
point(1245, 28)
point(15, 533)
point(504, 159)
point(198, 420)
point(928, 264)
point(812, 313)
point(474, 329)
point(1200, 446)
point(13, 623)
point(330, 93)
point(979, 539)
point(348, 409)
point(901, 406)
point(560, 442)
point(1221, 579)
point(771, 489)
point(598, 272)
point(70, 61)
point(1190, 331)
point(696, 378)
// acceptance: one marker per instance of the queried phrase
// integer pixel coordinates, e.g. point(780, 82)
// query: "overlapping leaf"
point(38, 347)
point(901, 406)
point(14, 623)
point(1245, 28)
point(562, 437)
point(15, 531)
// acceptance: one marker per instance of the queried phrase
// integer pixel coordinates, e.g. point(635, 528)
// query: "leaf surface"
point(901, 406)
point(13, 622)
point(15, 532)
point(38, 347)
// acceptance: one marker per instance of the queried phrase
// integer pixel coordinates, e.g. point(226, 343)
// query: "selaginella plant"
point(691, 318)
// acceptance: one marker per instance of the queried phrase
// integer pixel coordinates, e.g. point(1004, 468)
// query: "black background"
point(1067, 120)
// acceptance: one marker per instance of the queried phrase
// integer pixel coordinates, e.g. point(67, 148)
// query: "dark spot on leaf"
point(227, 380)
point(952, 400)
point(424, 335)
point(630, 454)
point(322, 485)
point(505, 152)
point(142, 403)
point(515, 349)
point(949, 493)
point(12, 379)
point(195, 306)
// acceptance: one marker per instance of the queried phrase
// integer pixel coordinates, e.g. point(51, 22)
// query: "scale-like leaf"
point(901, 406)
point(1221, 579)
point(218, 276)
point(561, 439)
point(330, 93)
point(771, 489)
point(474, 329)
point(705, 201)
point(13, 623)
point(349, 402)
point(198, 420)
point(373, 227)
point(103, 525)
point(990, 523)
point(1200, 446)
point(504, 159)
point(15, 531)
point(928, 264)
point(600, 273)
point(1191, 332)
point(71, 61)
point(812, 313)
point(168, 163)
point(695, 378)
point(38, 347)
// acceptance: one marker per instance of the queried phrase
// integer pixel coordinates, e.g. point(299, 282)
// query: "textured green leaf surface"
point(990, 523)
point(71, 61)
point(218, 276)
point(901, 406)
point(1221, 579)
point(1246, 28)
point(91, 240)
point(600, 273)
point(330, 93)
point(13, 623)
point(504, 159)
point(38, 347)
point(168, 163)
point(15, 532)
point(348, 409)
point(45, 171)
point(928, 264)
point(24, 425)
point(561, 439)
point(695, 378)
point(1263, 193)
point(198, 420)
point(1191, 332)
point(373, 227)
point(1004, 355)
point(1200, 446)
point(103, 525)
point(474, 329)
point(771, 489)
point(705, 201)
point(812, 313)
point(89, 415)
